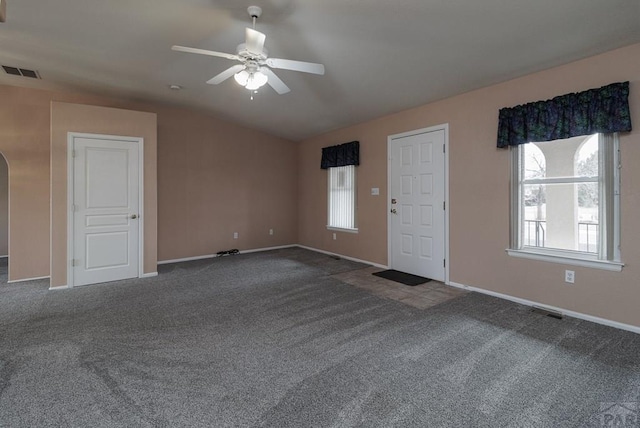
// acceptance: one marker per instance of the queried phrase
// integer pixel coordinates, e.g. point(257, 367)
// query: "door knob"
point(134, 216)
point(393, 211)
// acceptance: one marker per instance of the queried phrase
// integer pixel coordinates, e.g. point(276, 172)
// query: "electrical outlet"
point(235, 235)
point(569, 276)
point(334, 237)
point(270, 231)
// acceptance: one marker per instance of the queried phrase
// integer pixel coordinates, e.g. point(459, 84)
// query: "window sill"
point(339, 229)
point(567, 260)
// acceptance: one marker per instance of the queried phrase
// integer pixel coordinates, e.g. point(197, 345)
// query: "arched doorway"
point(4, 219)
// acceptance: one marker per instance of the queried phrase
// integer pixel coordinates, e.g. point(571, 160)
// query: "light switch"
point(375, 191)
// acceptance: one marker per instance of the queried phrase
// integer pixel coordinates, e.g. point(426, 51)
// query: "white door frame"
point(444, 127)
point(71, 136)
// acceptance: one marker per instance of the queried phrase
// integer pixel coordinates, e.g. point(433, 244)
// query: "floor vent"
point(546, 312)
point(15, 71)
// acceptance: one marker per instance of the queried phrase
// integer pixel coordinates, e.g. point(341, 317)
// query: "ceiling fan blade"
point(205, 52)
point(288, 64)
point(225, 74)
point(255, 41)
point(274, 81)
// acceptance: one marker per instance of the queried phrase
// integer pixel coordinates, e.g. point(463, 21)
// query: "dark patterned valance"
point(341, 155)
point(583, 113)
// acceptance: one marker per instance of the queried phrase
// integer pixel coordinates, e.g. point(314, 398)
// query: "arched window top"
point(586, 157)
point(535, 164)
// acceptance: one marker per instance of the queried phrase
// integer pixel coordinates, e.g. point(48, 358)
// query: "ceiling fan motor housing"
point(244, 53)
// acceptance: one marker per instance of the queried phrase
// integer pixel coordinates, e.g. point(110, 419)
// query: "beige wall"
point(216, 178)
point(24, 141)
point(213, 178)
point(479, 191)
point(4, 207)
point(67, 118)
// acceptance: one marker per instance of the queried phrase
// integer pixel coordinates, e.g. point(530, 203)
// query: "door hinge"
point(444, 150)
point(74, 208)
point(73, 153)
point(444, 205)
point(75, 262)
point(444, 262)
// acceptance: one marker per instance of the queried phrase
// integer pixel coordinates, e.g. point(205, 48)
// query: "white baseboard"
point(149, 275)
point(59, 287)
point(211, 256)
point(27, 279)
point(256, 250)
point(353, 259)
point(186, 259)
point(579, 315)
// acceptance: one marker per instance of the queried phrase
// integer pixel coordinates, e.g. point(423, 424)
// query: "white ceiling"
point(380, 56)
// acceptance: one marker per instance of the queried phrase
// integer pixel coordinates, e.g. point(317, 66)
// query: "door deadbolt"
point(134, 216)
point(393, 211)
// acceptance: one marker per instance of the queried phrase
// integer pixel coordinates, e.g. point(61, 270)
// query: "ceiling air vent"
point(15, 71)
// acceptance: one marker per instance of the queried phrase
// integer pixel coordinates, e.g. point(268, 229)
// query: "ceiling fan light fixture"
point(242, 77)
point(256, 80)
point(251, 80)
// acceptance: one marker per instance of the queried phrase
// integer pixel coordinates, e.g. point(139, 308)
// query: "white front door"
point(416, 206)
point(105, 209)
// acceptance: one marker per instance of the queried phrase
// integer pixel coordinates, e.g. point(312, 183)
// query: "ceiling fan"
point(254, 70)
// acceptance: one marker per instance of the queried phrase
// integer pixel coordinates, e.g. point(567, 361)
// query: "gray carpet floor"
point(271, 339)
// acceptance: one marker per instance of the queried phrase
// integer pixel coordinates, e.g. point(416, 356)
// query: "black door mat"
point(401, 277)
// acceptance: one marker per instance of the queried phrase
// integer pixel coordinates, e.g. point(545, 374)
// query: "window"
point(565, 201)
point(342, 198)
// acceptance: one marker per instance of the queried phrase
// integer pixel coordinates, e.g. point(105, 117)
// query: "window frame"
point(354, 199)
point(608, 256)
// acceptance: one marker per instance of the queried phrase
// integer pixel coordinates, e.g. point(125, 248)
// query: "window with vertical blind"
point(342, 198)
point(340, 162)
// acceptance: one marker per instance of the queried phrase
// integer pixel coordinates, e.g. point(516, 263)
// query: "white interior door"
point(105, 210)
point(417, 210)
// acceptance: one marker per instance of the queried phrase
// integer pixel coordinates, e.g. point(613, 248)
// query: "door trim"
point(71, 136)
point(443, 127)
